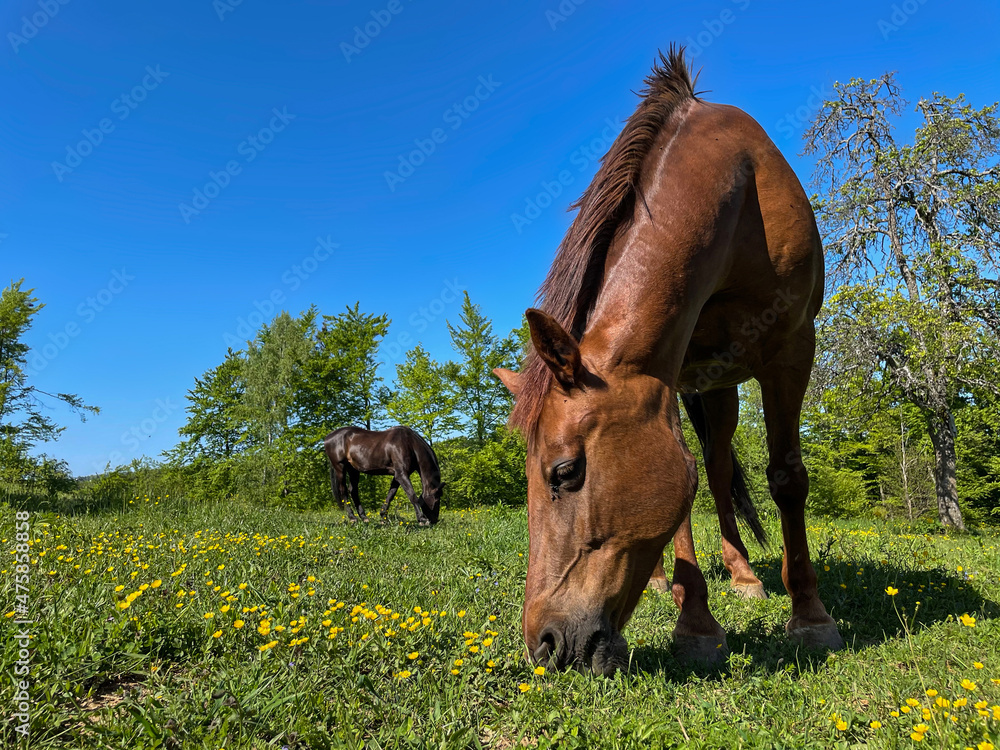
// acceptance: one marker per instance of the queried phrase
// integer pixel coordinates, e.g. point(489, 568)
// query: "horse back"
point(754, 266)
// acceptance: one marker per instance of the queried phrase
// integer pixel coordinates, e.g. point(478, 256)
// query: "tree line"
point(902, 418)
point(255, 423)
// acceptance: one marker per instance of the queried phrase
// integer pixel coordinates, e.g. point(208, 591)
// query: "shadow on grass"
point(864, 612)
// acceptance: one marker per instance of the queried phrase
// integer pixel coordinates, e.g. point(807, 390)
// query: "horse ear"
point(510, 379)
point(556, 347)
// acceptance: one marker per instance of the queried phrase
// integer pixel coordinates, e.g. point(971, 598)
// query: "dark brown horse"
point(398, 451)
point(694, 264)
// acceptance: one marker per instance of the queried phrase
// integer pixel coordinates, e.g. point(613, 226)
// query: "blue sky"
point(175, 172)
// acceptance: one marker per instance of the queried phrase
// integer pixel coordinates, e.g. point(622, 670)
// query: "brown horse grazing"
point(694, 264)
point(398, 451)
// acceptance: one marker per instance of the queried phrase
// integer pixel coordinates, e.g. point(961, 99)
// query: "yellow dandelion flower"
point(968, 621)
point(524, 687)
point(931, 692)
point(459, 662)
point(539, 671)
point(237, 624)
point(209, 615)
point(493, 618)
point(124, 605)
point(876, 725)
point(473, 649)
point(977, 664)
point(905, 709)
point(119, 589)
point(968, 684)
point(156, 584)
point(461, 613)
point(891, 591)
point(404, 674)
point(217, 634)
point(487, 641)
point(985, 745)
point(841, 725)
point(894, 713)
point(412, 655)
point(454, 671)
point(912, 702)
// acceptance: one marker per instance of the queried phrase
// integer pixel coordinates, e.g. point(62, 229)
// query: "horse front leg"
point(697, 635)
point(404, 482)
point(782, 393)
point(393, 486)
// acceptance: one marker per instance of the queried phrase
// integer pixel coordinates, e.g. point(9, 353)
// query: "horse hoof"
point(658, 584)
point(819, 637)
point(701, 649)
point(423, 522)
point(749, 590)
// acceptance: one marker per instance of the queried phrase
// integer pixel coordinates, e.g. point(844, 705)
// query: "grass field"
point(233, 626)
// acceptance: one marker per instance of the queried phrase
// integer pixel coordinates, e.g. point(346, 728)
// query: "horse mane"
point(570, 289)
point(426, 453)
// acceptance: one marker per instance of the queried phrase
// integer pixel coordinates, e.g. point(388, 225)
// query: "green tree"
point(482, 401)
point(423, 399)
point(214, 429)
point(271, 374)
point(22, 422)
point(343, 384)
point(911, 231)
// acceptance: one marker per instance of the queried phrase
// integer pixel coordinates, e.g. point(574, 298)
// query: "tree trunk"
point(942, 431)
point(902, 466)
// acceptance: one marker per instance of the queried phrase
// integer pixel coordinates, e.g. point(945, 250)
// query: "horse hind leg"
point(658, 580)
point(355, 476)
point(338, 478)
point(722, 416)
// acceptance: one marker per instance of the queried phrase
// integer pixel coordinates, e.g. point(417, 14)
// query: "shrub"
point(490, 475)
point(839, 493)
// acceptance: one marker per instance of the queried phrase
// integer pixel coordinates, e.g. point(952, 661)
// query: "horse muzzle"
point(591, 645)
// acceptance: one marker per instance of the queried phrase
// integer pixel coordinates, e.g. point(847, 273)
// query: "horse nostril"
point(549, 646)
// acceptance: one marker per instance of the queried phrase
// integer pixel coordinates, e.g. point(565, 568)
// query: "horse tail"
point(694, 405)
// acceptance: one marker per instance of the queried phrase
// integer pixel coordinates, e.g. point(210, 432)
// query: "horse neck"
point(430, 474)
point(657, 276)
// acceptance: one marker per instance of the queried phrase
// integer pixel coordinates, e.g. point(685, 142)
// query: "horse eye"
point(566, 474)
